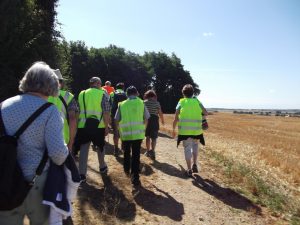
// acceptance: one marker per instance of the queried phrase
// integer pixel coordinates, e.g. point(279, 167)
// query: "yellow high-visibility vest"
point(190, 117)
point(93, 98)
point(132, 125)
point(67, 96)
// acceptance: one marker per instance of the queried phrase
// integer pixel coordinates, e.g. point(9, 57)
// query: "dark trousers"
point(135, 148)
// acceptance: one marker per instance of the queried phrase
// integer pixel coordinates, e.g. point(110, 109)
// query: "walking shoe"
point(104, 169)
point(189, 173)
point(82, 178)
point(195, 168)
point(147, 153)
point(150, 154)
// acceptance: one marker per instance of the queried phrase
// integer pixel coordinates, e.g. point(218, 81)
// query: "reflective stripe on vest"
point(93, 99)
point(132, 125)
point(190, 117)
point(67, 96)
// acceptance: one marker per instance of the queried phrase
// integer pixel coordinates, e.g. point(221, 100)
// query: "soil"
point(166, 196)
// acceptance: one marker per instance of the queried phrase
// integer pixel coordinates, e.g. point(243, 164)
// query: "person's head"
point(107, 83)
point(60, 77)
point(95, 82)
point(41, 79)
point(150, 94)
point(120, 86)
point(188, 91)
point(131, 90)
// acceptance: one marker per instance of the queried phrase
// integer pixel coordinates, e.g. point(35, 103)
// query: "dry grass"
point(276, 140)
point(261, 153)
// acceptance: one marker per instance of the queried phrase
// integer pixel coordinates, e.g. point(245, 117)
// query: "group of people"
point(75, 125)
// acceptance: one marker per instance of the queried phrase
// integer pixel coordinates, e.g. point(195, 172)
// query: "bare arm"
point(72, 128)
point(204, 111)
point(175, 121)
point(106, 120)
point(161, 115)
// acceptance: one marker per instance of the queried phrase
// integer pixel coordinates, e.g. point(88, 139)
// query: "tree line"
point(28, 33)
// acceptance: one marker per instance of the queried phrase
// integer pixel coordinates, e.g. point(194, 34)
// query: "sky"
point(241, 53)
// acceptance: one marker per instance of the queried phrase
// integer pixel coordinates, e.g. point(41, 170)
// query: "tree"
point(168, 78)
point(27, 35)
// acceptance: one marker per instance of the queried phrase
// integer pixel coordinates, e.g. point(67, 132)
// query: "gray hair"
point(40, 78)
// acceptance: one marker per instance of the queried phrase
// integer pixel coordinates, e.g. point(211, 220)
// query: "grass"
point(248, 183)
point(260, 157)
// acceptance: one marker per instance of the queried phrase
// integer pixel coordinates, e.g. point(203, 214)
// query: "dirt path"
point(166, 195)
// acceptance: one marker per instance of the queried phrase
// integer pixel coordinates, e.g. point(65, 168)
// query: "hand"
point(106, 131)
point(70, 146)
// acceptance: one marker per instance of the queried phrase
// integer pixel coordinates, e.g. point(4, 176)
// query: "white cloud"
point(208, 34)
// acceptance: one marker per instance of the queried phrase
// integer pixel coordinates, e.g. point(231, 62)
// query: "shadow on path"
point(163, 205)
point(226, 195)
point(164, 135)
point(109, 200)
point(169, 169)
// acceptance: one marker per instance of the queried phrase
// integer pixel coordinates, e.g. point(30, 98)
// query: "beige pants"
point(32, 207)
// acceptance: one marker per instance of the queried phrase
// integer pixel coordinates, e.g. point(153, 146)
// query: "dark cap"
point(131, 90)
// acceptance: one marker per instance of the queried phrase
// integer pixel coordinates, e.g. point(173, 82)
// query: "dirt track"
point(166, 195)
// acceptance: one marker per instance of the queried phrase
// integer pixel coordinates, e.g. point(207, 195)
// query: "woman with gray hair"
point(45, 132)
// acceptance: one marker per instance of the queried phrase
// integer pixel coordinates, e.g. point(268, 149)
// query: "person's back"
point(35, 139)
point(109, 89)
point(119, 96)
point(43, 134)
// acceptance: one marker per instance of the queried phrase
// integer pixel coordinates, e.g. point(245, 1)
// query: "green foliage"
point(27, 35)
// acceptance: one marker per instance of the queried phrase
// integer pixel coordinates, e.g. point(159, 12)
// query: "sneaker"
point(104, 169)
point(150, 154)
point(189, 173)
point(82, 178)
point(147, 153)
point(195, 168)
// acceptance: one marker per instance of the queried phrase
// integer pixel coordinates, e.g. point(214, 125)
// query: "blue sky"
point(242, 54)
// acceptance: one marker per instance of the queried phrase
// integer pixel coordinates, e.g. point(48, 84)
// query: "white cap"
point(58, 74)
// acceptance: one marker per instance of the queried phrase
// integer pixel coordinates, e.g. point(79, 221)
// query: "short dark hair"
point(131, 90)
point(188, 90)
point(120, 86)
point(150, 94)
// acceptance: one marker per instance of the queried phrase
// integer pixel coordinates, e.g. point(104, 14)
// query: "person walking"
point(153, 106)
point(108, 87)
point(131, 118)
point(67, 106)
point(116, 97)
point(93, 124)
point(43, 135)
point(188, 115)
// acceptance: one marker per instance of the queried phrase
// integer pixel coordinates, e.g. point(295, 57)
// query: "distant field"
point(271, 145)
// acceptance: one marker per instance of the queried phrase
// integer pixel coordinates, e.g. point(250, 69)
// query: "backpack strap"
point(31, 119)
point(65, 105)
